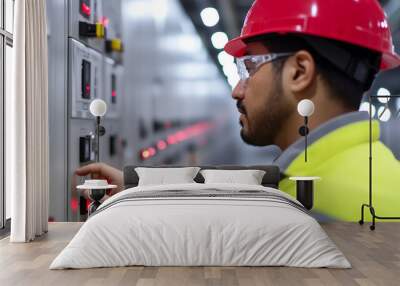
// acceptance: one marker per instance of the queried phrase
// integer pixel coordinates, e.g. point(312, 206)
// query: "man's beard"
point(262, 128)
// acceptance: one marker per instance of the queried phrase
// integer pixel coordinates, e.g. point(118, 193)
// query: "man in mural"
point(328, 52)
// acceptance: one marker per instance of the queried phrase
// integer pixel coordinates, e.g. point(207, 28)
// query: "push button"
point(92, 30)
point(114, 45)
point(85, 8)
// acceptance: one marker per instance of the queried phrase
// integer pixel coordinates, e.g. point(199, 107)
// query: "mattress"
point(201, 225)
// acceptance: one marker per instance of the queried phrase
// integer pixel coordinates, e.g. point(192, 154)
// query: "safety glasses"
point(248, 65)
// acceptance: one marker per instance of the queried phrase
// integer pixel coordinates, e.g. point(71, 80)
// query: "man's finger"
point(88, 169)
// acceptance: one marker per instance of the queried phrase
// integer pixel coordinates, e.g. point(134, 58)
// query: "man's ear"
point(300, 72)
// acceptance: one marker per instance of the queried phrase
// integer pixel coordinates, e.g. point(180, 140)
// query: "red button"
point(85, 9)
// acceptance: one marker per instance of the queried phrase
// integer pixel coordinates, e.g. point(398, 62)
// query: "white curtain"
point(27, 124)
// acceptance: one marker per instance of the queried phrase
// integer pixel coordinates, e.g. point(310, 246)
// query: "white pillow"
point(248, 177)
point(162, 176)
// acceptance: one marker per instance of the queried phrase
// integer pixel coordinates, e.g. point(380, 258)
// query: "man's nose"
point(238, 91)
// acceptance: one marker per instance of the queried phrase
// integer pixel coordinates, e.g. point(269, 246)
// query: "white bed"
point(249, 226)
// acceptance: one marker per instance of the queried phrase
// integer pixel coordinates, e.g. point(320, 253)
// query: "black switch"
point(113, 89)
point(92, 30)
point(113, 145)
point(142, 129)
point(82, 206)
point(84, 149)
point(157, 126)
point(87, 29)
point(86, 79)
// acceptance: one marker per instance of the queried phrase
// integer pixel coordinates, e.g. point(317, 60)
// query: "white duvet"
point(203, 231)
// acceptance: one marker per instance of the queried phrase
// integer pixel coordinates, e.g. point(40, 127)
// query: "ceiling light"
point(233, 80)
point(365, 107)
point(383, 92)
point(230, 70)
point(209, 16)
point(225, 59)
point(219, 40)
point(384, 114)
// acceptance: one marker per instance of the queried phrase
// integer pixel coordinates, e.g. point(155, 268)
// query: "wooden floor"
point(375, 257)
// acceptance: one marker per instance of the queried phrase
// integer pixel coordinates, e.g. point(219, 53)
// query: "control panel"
point(86, 22)
point(85, 78)
point(97, 24)
point(95, 59)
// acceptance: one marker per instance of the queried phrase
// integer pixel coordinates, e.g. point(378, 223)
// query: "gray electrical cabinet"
point(85, 74)
point(92, 73)
point(164, 83)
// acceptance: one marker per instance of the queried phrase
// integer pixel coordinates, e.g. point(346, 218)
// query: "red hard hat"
point(359, 22)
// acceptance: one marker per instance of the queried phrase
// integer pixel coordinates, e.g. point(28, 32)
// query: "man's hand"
point(102, 171)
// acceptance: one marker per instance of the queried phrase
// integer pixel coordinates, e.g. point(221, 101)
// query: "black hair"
point(342, 86)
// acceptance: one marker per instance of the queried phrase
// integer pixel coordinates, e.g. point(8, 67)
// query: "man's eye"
point(250, 66)
point(250, 70)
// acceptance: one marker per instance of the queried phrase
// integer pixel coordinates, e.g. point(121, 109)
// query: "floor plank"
point(375, 257)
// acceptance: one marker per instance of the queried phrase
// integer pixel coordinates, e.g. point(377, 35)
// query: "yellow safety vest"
point(341, 159)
